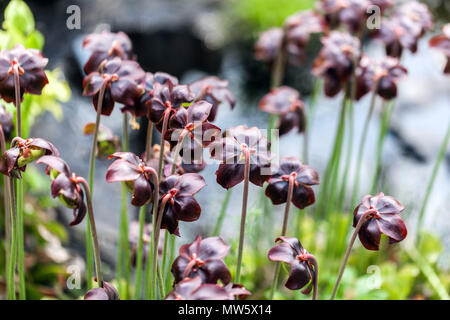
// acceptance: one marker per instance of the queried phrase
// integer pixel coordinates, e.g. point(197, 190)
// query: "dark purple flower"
point(194, 289)
point(108, 292)
point(442, 43)
point(203, 258)
point(106, 45)
point(231, 150)
point(132, 170)
point(107, 142)
point(121, 78)
point(286, 103)
point(167, 98)
point(23, 152)
point(180, 205)
point(299, 28)
point(237, 291)
point(142, 104)
point(291, 251)
point(192, 126)
point(351, 13)
point(268, 45)
point(214, 91)
point(304, 178)
point(30, 65)
point(65, 185)
point(384, 218)
point(386, 72)
point(336, 60)
point(418, 13)
point(6, 122)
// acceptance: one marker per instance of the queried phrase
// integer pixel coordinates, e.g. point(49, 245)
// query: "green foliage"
point(264, 14)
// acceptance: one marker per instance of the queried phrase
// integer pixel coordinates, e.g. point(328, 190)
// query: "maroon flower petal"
point(190, 183)
point(370, 235)
point(392, 226)
point(142, 192)
point(303, 196)
point(277, 191)
point(121, 170)
point(282, 252)
point(187, 208)
point(216, 269)
point(213, 248)
point(299, 276)
point(229, 175)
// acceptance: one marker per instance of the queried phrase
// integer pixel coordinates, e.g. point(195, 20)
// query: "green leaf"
point(35, 40)
point(19, 15)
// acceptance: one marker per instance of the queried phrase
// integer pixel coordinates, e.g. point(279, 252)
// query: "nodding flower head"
point(384, 74)
point(286, 103)
point(6, 122)
point(214, 91)
point(191, 125)
point(23, 152)
point(65, 186)
point(107, 142)
point(383, 217)
point(180, 205)
point(28, 64)
point(142, 103)
point(203, 258)
point(167, 98)
point(336, 60)
point(195, 289)
point(302, 272)
point(108, 292)
point(120, 78)
point(106, 45)
point(268, 45)
point(134, 172)
point(350, 13)
point(442, 43)
point(232, 149)
point(303, 177)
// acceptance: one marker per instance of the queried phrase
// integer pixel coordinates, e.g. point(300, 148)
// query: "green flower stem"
point(89, 249)
point(283, 231)
point(349, 249)
point(20, 197)
point(388, 108)
point(6, 197)
point(156, 246)
point(436, 167)
point(11, 282)
point(243, 214)
point(98, 266)
point(148, 144)
point(139, 255)
point(123, 249)
point(223, 211)
point(361, 147)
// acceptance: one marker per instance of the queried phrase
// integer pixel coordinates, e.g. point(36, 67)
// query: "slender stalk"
point(386, 117)
point(123, 253)
point(89, 249)
point(279, 65)
point(162, 145)
point(223, 210)
point(361, 221)
point(6, 197)
point(148, 144)
point(20, 199)
point(283, 230)
point(243, 213)
point(362, 144)
point(436, 167)
point(98, 266)
point(139, 255)
point(312, 259)
point(11, 290)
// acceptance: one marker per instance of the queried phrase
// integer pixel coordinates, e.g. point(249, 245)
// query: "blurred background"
point(191, 39)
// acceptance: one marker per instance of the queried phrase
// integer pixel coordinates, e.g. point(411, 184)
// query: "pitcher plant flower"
point(27, 65)
point(107, 141)
point(350, 13)
point(203, 258)
point(195, 289)
point(23, 152)
point(119, 79)
point(106, 45)
point(108, 292)
point(372, 217)
point(285, 102)
point(214, 91)
point(336, 60)
point(303, 265)
point(6, 122)
point(136, 175)
point(442, 43)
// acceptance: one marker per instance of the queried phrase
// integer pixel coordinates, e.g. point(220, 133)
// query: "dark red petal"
point(392, 226)
point(299, 276)
point(229, 175)
point(303, 196)
point(293, 242)
point(308, 175)
point(213, 248)
point(190, 183)
point(55, 163)
point(199, 111)
point(257, 177)
point(121, 170)
point(370, 235)
point(209, 292)
point(215, 270)
point(142, 191)
point(282, 252)
point(277, 191)
point(92, 83)
point(187, 208)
